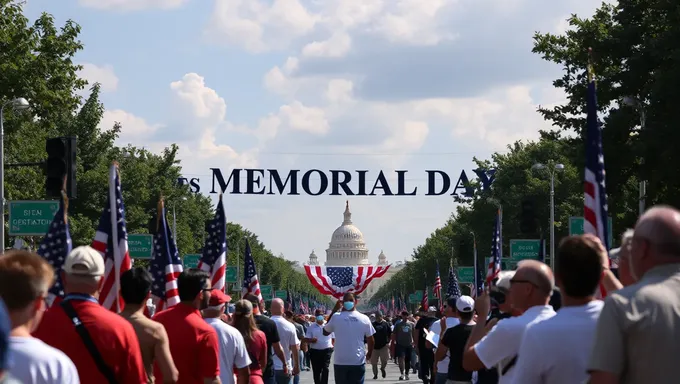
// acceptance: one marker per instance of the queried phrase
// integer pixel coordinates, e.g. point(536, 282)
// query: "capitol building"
point(347, 248)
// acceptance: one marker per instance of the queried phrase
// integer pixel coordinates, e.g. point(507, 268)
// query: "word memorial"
point(315, 182)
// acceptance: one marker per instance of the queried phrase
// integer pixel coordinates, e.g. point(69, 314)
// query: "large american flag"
point(55, 247)
point(453, 289)
point(214, 258)
point(111, 240)
point(165, 264)
point(336, 281)
point(495, 261)
point(437, 290)
point(251, 283)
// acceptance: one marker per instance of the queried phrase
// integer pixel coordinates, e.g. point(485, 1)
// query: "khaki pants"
point(384, 355)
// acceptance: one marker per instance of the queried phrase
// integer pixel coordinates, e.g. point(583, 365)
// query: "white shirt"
point(288, 338)
point(37, 363)
point(233, 352)
point(323, 342)
point(443, 366)
point(352, 327)
point(557, 350)
point(501, 344)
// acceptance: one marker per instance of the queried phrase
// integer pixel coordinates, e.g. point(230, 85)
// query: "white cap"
point(465, 304)
point(432, 309)
point(84, 261)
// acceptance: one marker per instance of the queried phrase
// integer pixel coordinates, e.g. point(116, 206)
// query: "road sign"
point(413, 299)
point(140, 246)
point(281, 294)
point(524, 249)
point(31, 218)
point(231, 275)
point(466, 274)
point(576, 228)
point(506, 265)
point(191, 261)
point(267, 292)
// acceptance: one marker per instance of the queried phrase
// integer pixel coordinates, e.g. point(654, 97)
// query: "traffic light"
point(60, 167)
point(527, 220)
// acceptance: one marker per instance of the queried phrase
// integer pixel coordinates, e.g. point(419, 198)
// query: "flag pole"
point(117, 259)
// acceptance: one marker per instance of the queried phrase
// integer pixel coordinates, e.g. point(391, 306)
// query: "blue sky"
point(334, 84)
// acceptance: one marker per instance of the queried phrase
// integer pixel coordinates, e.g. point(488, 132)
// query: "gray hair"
point(627, 236)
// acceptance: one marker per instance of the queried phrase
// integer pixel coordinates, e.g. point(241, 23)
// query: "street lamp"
point(634, 102)
point(18, 104)
point(551, 168)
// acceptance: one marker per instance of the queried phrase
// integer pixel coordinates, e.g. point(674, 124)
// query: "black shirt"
point(268, 327)
point(455, 339)
point(382, 334)
point(423, 323)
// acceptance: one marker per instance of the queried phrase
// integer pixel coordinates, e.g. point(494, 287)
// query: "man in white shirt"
point(442, 367)
point(530, 290)
point(289, 343)
point(233, 352)
point(24, 282)
point(556, 351)
point(320, 348)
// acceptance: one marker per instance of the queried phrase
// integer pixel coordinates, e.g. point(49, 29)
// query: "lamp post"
point(18, 104)
point(552, 168)
point(634, 102)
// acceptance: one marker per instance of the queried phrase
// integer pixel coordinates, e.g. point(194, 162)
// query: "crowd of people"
point(532, 325)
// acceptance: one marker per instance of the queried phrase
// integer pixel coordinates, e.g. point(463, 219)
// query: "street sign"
point(524, 249)
point(413, 299)
point(466, 274)
point(281, 294)
point(140, 246)
point(231, 275)
point(31, 218)
point(267, 292)
point(191, 261)
point(576, 228)
point(505, 264)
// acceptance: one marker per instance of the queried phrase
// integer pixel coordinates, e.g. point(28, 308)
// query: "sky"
point(331, 85)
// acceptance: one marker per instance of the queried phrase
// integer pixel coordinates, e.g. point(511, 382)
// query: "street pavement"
point(392, 376)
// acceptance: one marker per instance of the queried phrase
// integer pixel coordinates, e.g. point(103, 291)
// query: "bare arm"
point(164, 358)
point(294, 350)
point(610, 282)
point(243, 375)
point(214, 380)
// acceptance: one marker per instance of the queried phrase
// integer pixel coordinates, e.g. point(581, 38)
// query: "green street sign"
point(281, 294)
point(524, 249)
point(31, 218)
point(231, 275)
point(267, 292)
point(413, 299)
point(466, 275)
point(576, 228)
point(140, 246)
point(191, 261)
point(506, 265)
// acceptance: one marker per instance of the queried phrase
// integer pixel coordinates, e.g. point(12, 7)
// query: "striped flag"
point(425, 303)
point(214, 258)
point(55, 247)
point(251, 283)
point(437, 290)
point(165, 264)
point(495, 261)
point(111, 241)
point(453, 289)
point(336, 281)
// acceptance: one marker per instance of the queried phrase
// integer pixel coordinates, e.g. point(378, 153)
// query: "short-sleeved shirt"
point(422, 325)
point(288, 336)
point(233, 352)
point(638, 332)
point(352, 329)
point(113, 336)
point(35, 362)
point(403, 333)
point(255, 348)
point(443, 365)
point(455, 339)
point(383, 333)
point(490, 376)
point(268, 327)
point(190, 335)
point(315, 331)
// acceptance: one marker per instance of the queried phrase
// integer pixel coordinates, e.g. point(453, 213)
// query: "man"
point(404, 342)
point(320, 348)
point(500, 296)
point(354, 330)
point(24, 281)
point(268, 327)
point(381, 339)
point(424, 354)
point(530, 290)
point(624, 274)
point(556, 351)
point(451, 315)
point(289, 343)
point(102, 345)
point(135, 287)
point(189, 334)
point(233, 352)
point(454, 340)
point(638, 332)
point(5, 329)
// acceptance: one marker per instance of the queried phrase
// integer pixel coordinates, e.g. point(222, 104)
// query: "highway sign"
point(466, 274)
point(524, 249)
point(191, 261)
point(281, 294)
point(576, 228)
point(140, 246)
point(267, 292)
point(231, 275)
point(31, 217)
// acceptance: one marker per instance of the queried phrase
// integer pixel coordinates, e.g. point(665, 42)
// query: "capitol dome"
point(347, 246)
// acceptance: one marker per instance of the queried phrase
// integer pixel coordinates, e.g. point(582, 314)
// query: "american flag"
point(438, 288)
point(251, 284)
point(336, 281)
point(111, 241)
point(165, 264)
point(214, 259)
point(595, 209)
point(453, 289)
point(55, 247)
point(425, 303)
point(495, 262)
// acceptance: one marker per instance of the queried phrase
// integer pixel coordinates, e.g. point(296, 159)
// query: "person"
point(356, 331)
point(290, 344)
point(255, 340)
point(404, 341)
point(425, 355)
point(25, 278)
point(5, 361)
point(135, 287)
point(497, 343)
point(189, 334)
point(451, 315)
point(233, 353)
point(320, 348)
point(300, 333)
point(79, 321)
point(556, 351)
point(454, 340)
point(382, 336)
point(638, 332)
point(624, 274)
point(500, 309)
point(267, 326)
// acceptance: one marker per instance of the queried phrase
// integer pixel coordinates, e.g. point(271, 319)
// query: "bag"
point(89, 344)
point(509, 365)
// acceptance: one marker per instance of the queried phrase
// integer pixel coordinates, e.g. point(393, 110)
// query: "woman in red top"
point(256, 341)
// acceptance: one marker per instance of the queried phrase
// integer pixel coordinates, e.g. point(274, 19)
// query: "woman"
point(256, 341)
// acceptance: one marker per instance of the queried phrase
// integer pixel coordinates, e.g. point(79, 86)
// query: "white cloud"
point(134, 129)
point(132, 5)
point(199, 101)
point(103, 75)
point(306, 119)
point(337, 45)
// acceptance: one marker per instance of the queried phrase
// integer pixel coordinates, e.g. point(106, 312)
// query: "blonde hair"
point(243, 320)
point(24, 277)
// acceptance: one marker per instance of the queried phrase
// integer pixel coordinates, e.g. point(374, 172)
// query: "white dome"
point(347, 246)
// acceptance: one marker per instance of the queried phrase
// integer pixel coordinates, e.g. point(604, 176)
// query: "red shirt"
point(114, 337)
point(255, 349)
point(193, 344)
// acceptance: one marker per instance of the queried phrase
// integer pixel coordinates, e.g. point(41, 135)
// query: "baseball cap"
point(5, 329)
point(465, 304)
point(432, 309)
point(84, 261)
point(217, 298)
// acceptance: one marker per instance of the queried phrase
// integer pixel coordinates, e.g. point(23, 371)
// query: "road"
point(392, 376)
